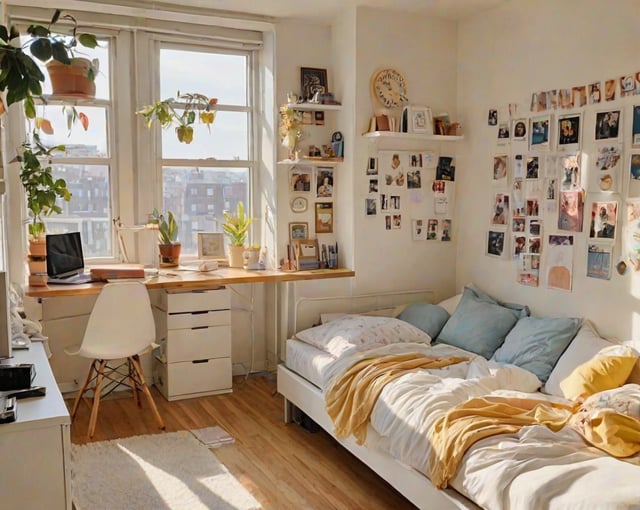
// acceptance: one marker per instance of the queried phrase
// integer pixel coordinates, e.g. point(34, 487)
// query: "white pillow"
point(450, 304)
point(586, 344)
point(352, 333)
point(384, 312)
point(325, 318)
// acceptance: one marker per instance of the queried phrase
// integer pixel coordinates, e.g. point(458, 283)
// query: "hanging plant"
point(194, 107)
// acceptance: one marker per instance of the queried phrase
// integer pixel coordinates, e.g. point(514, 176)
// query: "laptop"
point(65, 261)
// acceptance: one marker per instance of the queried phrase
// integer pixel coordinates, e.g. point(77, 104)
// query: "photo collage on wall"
point(315, 185)
point(401, 182)
point(549, 166)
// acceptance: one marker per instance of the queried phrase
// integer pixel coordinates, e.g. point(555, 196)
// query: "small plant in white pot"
point(236, 227)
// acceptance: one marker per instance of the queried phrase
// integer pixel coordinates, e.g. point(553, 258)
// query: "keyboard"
point(76, 279)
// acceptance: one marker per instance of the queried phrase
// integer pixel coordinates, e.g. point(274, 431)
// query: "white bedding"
point(535, 468)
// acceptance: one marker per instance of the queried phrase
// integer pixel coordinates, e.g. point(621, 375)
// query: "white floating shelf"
point(311, 161)
point(393, 135)
point(314, 106)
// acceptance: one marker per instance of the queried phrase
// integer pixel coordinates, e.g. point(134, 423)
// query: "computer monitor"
point(64, 255)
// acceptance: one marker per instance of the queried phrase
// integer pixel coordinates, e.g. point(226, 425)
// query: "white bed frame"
point(300, 393)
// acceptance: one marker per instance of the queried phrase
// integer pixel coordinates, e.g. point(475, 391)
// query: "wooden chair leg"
point(82, 391)
point(145, 389)
point(96, 398)
point(134, 382)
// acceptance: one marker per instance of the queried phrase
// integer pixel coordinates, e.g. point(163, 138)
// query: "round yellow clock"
point(389, 87)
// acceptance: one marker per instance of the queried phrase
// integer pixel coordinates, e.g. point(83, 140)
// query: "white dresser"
point(35, 463)
point(193, 329)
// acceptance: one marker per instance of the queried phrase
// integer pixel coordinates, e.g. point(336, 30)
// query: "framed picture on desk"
point(210, 245)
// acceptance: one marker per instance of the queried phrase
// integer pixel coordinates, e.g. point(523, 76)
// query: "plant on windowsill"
point(42, 192)
point(167, 238)
point(236, 227)
point(21, 77)
point(166, 113)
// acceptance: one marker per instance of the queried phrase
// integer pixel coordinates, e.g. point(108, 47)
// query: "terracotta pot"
point(71, 79)
point(37, 266)
point(37, 248)
point(170, 254)
point(235, 255)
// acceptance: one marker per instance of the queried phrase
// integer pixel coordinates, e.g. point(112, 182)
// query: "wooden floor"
point(283, 465)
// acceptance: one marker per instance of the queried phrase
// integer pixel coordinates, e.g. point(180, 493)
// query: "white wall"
point(424, 50)
point(504, 56)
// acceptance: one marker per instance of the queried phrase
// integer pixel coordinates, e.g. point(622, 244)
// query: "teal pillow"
point(480, 323)
point(425, 316)
point(536, 343)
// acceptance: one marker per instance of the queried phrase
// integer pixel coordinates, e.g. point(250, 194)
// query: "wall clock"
point(299, 204)
point(389, 88)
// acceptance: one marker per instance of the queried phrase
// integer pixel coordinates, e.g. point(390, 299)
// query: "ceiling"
point(329, 9)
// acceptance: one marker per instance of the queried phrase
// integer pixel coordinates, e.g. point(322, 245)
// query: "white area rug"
point(160, 471)
point(213, 437)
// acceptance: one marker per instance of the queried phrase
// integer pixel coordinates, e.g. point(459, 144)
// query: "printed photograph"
point(413, 179)
point(445, 234)
point(607, 124)
point(393, 167)
point(571, 172)
point(495, 243)
point(387, 222)
point(324, 182)
point(492, 118)
point(324, 218)
point(446, 169)
point(559, 262)
point(579, 96)
point(500, 213)
point(635, 129)
point(432, 230)
point(599, 261)
point(499, 167)
point(418, 230)
point(539, 132)
point(533, 167)
point(384, 202)
point(569, 132)
point(604, 217)
point(503, 133)
point(594, 93)
point(415, 159)
point(519, 245)
point(571, 211)
point(529, 269)
point(396, 221)
point(519, 129)
point(372, 167)
point(518, 223)
point(300, 178)
point(610, 90)
point(370, 206)
point(373, 185)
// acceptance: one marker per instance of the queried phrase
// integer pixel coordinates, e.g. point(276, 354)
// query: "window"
point(196, 175)
point(86, 163)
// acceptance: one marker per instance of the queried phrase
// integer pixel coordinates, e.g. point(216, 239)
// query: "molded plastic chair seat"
point(120, 327)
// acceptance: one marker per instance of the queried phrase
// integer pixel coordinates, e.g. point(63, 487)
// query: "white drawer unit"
point(193, 329)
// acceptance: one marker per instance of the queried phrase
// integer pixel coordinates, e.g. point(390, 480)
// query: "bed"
point(531, 467)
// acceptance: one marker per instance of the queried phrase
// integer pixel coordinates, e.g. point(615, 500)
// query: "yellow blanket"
point(350, 399)
point(478, 418)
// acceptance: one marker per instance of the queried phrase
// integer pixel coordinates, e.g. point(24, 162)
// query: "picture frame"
point(324, 217)
point(324, 182)
point(298, 230)
point(417, 119)
point(312, 80)
point(569, 132)
point(607, 125)
point(211, 245)
point(539, 132)
point(300, 178)
point(299, 204)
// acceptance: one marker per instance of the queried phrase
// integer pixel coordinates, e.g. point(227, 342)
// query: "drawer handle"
point(201, 327)
point(200, 313)
point(200, 361)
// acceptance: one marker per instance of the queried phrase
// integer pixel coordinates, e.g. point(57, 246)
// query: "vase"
point(251, 258)
point(235, 255)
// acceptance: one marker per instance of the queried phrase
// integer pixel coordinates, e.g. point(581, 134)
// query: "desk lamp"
point(121, 227)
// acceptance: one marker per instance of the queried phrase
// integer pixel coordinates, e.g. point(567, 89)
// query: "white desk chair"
point(121, 326)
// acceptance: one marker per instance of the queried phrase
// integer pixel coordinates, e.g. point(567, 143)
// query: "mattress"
point(308, 361)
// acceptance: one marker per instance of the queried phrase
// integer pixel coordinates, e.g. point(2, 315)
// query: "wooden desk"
point(190, 280)
point(64, 310)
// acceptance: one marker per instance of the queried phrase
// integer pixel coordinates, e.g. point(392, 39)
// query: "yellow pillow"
point(599, 374)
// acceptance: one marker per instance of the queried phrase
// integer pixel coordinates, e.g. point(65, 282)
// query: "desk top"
point(180, 279)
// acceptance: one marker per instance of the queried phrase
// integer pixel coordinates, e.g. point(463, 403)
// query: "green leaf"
point(56, 16)
point(4, 33)
point(59, 52)
point(29, 107)
point(88, 40)
point(13, 33)
point(38, 31)
point(41, 49)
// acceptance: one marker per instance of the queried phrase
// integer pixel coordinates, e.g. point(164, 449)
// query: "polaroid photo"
point(396, 221)
point(432, 230)
point(599, 257)
point(569, 128)
point(539, 128)
point(418, 229)
point(519, 245)
point(503, 133)
point(392, 166)
point(445, 231)
point(324, 182)
point(571, 172)
point(492, 118)
point(384, 202)
point(500, 212)
point(608, 125)
point(372, 166)
point(414, 179)
point(627, 85)
point(373, 185)
point(518, 224)
point(533, 167)
point(394, 202)
point(519, 129)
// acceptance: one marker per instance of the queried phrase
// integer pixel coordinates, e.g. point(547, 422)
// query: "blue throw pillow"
point(425, 316)
point(536, 343)
point(480, 323)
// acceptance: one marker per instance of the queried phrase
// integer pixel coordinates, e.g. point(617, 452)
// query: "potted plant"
point(165, 112)
point(168, 238)
point(21, 77)
point(236, 227)
point(42, 192)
